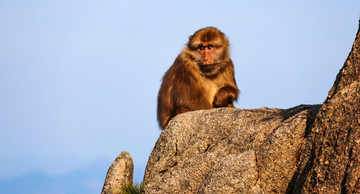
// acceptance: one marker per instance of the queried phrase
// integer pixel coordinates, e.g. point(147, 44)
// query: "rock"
point(120, 173)
point(236, 173)
point(331, 159)
point(228, 150)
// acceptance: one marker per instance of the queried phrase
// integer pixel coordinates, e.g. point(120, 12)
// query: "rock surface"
point(119, 174)
point(228, 150)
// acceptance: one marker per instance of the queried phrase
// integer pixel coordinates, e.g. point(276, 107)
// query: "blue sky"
point(79, 79)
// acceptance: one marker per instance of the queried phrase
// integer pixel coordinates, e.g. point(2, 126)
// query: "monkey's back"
point(181, 91)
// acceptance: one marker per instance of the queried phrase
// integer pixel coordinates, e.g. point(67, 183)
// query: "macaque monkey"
point(202, 77)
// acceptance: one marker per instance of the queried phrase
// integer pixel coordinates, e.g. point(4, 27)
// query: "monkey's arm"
point(225, 97)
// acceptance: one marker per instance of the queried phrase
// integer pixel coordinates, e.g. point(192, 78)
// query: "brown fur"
point(191, 84)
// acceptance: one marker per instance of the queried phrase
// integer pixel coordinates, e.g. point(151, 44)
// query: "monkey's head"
point(209, 48)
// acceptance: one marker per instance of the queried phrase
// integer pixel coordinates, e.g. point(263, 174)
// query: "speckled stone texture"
point(228, 150)
point(119, 174)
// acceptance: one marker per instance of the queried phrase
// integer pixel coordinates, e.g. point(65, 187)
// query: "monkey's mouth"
point(207, 64)
point(202, 65)
point(208, 68)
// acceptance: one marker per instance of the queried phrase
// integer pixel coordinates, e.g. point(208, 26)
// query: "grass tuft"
point(133, 189)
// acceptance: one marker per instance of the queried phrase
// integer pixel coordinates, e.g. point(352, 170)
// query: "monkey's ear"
point(193, 45)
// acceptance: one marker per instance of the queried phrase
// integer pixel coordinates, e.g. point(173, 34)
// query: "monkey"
point(201, 77)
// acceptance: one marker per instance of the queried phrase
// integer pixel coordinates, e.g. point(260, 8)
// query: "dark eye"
point(202, 48)
point(210, 47)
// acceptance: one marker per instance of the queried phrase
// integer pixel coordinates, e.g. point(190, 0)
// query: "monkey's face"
point(206, 51)
point(209, 49)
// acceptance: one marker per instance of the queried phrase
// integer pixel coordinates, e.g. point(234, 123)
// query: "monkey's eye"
point(202, 47)
point(210, 47)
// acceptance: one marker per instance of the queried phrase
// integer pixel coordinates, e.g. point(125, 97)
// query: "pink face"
point(206, 51)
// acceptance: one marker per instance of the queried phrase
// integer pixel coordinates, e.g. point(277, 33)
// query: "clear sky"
point(79, 79)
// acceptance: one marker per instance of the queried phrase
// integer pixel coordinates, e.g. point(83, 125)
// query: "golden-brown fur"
point(202, 77)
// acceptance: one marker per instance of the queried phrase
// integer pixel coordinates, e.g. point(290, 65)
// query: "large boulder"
point(228, 150)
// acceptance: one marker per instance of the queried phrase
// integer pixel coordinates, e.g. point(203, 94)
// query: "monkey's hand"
point(225, 97)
